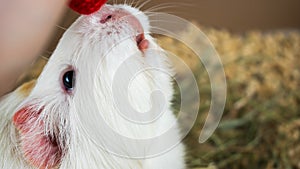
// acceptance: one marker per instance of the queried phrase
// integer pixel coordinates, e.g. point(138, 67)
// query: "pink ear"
point(37, 148)
point(22, 117)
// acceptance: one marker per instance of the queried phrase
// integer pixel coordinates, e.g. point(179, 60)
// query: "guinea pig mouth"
point(142, 42)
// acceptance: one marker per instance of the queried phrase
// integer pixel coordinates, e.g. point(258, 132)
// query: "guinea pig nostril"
point(106, 18)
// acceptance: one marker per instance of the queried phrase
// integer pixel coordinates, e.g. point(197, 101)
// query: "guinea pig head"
point(96, 52)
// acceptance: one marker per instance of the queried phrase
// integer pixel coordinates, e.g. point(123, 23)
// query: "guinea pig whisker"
point(128, 2)
point(162, 6)
point(161, 21)
point(45, 58)
point(159, 12)
point(143, 4)
point(49, 52)
point(160, 29)
point(63, 28)
point(151, 14)
point(136, 3)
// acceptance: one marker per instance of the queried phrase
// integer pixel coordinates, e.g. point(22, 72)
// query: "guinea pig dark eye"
point(68, 80)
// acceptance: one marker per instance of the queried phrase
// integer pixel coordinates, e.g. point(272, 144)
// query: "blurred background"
point(238, 15)
point(259, 44)
point(234, 15)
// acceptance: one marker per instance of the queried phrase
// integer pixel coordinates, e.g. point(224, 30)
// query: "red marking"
point(38, 149)
point(86, 7)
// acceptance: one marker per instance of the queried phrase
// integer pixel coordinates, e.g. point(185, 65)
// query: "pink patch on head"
point(38, 148)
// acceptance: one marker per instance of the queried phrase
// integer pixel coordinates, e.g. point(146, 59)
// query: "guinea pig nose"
point(106, 18)
point(109, 14)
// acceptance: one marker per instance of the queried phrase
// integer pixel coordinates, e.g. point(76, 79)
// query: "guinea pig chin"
point(41, 141)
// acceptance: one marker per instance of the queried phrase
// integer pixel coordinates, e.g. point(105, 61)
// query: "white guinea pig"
point(43, 123)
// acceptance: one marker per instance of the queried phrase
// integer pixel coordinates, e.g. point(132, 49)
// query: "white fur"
point(84, 46)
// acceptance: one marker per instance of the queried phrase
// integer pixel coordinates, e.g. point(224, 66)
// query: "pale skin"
point(25, 27)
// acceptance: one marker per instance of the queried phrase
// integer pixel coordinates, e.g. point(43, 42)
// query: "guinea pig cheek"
point(39, 150)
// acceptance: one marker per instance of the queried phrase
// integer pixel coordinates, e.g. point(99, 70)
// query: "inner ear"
point(22, 117)
point(38, 149)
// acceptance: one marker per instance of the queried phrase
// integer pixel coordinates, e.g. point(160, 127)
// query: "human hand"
point(24, 29)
